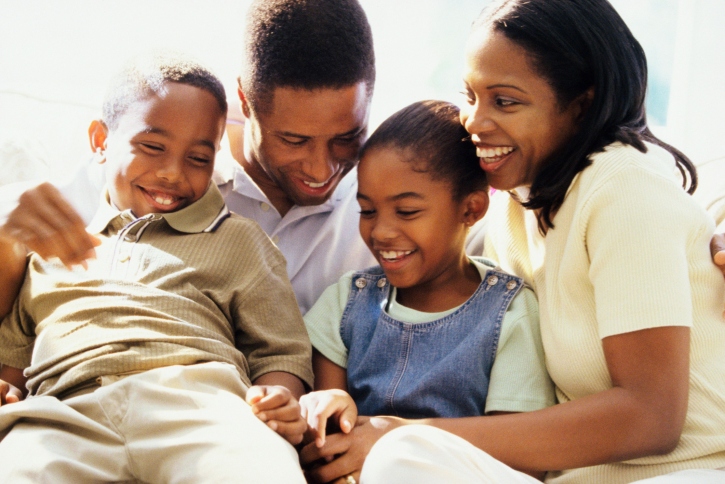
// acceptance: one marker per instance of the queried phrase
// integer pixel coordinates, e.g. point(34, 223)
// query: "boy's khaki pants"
point(181, 424)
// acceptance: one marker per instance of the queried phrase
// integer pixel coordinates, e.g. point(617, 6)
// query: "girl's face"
point(512, 113)
point(409, 221)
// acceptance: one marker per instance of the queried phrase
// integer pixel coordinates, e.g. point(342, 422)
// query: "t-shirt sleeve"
point(519, 381)
point(323, 321)
point(17, 337)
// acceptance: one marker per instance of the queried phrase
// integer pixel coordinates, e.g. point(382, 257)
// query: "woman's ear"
point(583, 102)
point(475, 205)
point(243, 99)
point(97, 136)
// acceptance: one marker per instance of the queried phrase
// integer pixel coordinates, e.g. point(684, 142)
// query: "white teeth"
point(493, 152)
point(314, 185)
point(161, 200)
point(394, 254)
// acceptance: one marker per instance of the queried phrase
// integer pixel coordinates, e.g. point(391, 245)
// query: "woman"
point(598, 223)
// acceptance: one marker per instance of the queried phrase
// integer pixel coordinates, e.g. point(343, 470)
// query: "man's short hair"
point(146, 74)
point(305, 44)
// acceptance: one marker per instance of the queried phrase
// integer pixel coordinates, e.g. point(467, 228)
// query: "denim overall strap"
point(435, 369)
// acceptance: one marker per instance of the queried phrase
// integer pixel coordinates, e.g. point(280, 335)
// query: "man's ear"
point(97, 136)
point(475, 205)
point(243, 99)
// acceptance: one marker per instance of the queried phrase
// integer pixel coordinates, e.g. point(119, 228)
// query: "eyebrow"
point(163, 132)
point(397, 197)
point(509, 86)
point(352, 132)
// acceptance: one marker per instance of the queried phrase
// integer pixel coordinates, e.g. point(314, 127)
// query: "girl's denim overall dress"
point(435, 369)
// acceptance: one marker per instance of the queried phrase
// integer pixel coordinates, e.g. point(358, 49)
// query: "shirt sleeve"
point(17, 336)
point(519, 381)
point(323, 321)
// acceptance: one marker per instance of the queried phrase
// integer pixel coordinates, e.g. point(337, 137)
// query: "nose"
point(170, 168)
point(383, 230)
point(320, 164)
point(477, 120)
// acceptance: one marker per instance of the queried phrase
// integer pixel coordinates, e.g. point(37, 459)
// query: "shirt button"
point(492, 280)
point(382, 282)
point(264, 206)
point(360, 283)
point(275, 239)
point(510, 285)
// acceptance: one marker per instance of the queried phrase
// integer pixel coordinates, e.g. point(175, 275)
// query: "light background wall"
point(56, 59)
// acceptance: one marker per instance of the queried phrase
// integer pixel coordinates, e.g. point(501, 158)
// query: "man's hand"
point(275, 405)
point(317, 407)
point(717, 249)
point(47, 224)
point(344, 454)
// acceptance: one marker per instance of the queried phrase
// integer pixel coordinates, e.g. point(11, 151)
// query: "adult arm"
point(642, 414)
point(12, 385)
point(12, 264)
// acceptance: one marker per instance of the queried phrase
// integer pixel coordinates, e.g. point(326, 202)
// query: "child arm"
point(12, 260)
point(47, 224)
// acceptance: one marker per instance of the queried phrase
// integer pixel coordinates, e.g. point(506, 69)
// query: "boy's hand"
point(317, 407)
point(717, 249)
point(275, 405)
point(47, 224)
point(9, 393)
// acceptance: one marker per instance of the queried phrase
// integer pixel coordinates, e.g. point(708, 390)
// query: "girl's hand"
point(317, 407)
point(344, 454)
point(275, 405)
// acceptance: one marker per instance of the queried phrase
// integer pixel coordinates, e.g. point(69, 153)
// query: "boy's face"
point(307, 140)
point(160, 158)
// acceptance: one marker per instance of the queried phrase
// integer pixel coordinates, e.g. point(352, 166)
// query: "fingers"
point(318, 407)
point(337, 469)
point(717, 249)
point(276, 406)
point(47, 224)
point(9, 393)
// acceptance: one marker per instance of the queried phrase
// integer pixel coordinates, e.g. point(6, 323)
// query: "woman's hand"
point(344, 454)
point(717, 249)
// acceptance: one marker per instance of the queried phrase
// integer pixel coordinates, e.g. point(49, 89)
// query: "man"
point(305, 92)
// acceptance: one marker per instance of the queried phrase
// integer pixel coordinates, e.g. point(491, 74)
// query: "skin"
point(160, 158)
point(304, 137)
point(509, 109)
point(642, 414)
point(401, 210)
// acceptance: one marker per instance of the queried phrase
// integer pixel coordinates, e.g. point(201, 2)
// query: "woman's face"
point(512, 112)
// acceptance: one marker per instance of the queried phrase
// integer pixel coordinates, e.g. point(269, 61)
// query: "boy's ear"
point(475, 206)
point(97, 135)
point(243, 99)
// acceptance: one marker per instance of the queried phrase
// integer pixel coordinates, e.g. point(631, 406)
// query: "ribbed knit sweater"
point(629, 251)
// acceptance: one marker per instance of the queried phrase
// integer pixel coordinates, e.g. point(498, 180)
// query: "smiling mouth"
point(163, 200)
point(394, 255)
point(493, 155)
point(315, 185)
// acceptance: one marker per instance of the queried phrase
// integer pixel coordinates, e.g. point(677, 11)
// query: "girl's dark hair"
point(431, 132)
point(575, 45)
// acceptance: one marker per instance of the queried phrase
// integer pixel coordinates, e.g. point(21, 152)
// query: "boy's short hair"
point(306, 44)
point(145, 75)
point(430, 132)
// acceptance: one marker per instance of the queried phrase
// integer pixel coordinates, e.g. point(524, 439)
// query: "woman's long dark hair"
point(577, 45)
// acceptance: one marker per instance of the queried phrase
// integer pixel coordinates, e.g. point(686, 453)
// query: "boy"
point(140, 362)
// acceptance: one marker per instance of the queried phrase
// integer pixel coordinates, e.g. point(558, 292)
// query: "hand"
point(275, 405)
point(9, 393)
point(317, 407)
point(717, 249)
point(344, 454)
point(47, 224)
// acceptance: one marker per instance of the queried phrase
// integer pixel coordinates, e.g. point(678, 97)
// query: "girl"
point(617, 251)
point(417, 335)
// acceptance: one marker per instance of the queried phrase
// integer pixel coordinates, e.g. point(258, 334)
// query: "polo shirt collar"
point(204, 215)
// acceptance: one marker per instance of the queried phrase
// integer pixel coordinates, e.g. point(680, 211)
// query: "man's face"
point(306, 140)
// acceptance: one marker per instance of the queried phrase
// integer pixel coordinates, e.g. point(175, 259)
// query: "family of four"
point(163, 339)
